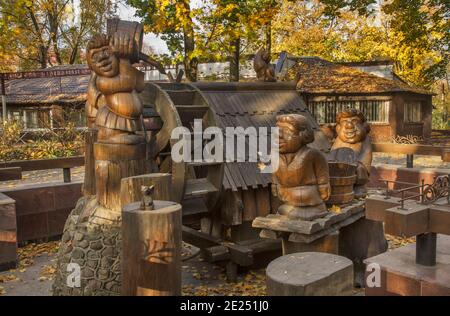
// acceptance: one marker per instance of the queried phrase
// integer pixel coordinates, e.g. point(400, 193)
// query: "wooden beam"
point(11, 173)
point(411, 149)
point(199, 239)
point(45, 164)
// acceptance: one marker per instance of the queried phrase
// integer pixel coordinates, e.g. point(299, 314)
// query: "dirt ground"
point(35, 273)
point(36, 269)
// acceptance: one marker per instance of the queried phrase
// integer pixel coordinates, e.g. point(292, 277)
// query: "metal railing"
point(428, 193)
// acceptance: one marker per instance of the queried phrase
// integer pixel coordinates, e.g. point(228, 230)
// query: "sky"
point(127, 13)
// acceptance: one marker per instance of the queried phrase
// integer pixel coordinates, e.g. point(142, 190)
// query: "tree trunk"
point(269, 38)
point(73, 55)
point(151, 250)
point(130, 188)
point(190, 63)
point(234, 60)
point(43, 56)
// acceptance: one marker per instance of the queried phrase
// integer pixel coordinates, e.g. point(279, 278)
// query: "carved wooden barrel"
point(135, 30)
point(342, 180)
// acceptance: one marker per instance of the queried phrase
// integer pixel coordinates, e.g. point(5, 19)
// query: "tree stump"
point(309, 274)
point(151, 249)
point(130, 189)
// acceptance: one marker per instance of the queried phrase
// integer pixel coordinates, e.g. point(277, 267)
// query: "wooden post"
point(89, 162)
point(409, 161)
point(66, 175)
point(151, 249)
point(130, 190)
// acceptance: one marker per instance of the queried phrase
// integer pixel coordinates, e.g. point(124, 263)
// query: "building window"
point(375, 111)
point(412, 112)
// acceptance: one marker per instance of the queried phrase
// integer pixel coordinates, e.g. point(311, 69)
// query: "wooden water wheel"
point(196, 185)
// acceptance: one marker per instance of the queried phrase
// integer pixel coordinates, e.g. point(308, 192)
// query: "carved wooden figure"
point(302, 179)
point(352, 132)
point(261, 63)
point(120, 147)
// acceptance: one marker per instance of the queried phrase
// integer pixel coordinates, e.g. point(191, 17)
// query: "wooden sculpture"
point(352, 132)
point(119, 82)
point(261, 63)
point(302, 180)
point(119, 150)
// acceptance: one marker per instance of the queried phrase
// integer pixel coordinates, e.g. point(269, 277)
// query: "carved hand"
point(122, 44)
point(324, 191)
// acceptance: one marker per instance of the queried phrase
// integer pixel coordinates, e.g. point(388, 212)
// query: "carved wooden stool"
point(309, 274)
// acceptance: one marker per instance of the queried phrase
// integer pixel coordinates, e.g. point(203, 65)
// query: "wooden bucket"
point(342, 180)
point(135, 30)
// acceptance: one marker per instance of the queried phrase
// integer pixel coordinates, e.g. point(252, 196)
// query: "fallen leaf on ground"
point(335, 209)
point(8, 278)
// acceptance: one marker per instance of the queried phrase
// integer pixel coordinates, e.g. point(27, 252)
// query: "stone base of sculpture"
point(89, 246)
point(304, 213)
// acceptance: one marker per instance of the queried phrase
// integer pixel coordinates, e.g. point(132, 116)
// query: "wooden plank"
point(242, 255)
point(216, 253)
point(45, 164)
point(10, 173)
point(199, 239)
point(250, 210)
point(263, 201)
point(196, 187)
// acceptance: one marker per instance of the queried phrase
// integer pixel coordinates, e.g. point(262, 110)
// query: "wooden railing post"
point(409, 161)
point(66, 175)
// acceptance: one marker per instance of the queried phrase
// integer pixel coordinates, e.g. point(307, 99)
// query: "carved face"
point(351, 130)
point(290, 140)
point(103, 62)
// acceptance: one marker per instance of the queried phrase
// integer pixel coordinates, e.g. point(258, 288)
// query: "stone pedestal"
point(399, 274)
point(94, 245)
point(309, 274)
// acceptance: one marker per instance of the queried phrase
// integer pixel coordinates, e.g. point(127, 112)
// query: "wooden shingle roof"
point(318, 76)
point(254, 104)
point(48, 90)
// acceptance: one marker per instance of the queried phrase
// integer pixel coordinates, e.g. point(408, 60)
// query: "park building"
point(392, 107)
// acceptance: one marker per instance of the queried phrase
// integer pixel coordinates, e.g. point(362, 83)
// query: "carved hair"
point(98, 41)
point(351, 112)
point(299, 122)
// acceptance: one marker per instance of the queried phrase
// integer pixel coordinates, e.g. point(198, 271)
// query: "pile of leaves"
point(26, 256)
point(395, 242)
point(253, 283)
point(27, 253)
